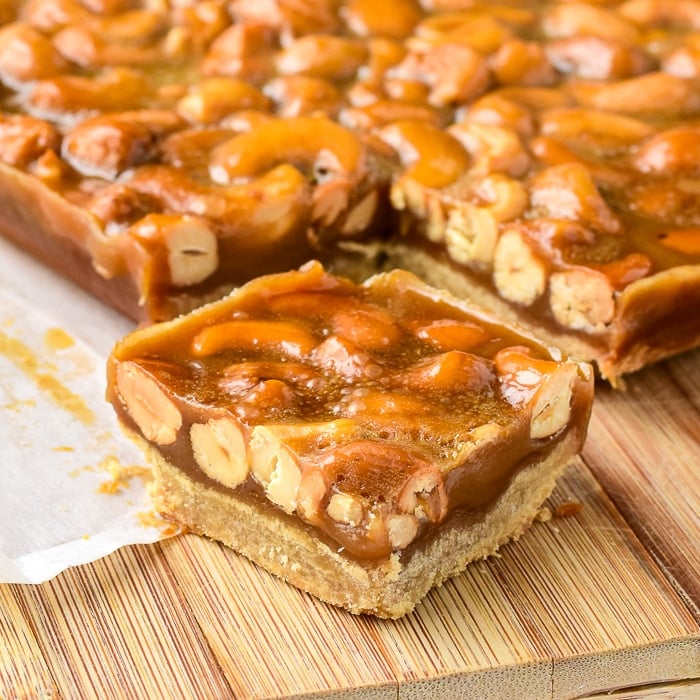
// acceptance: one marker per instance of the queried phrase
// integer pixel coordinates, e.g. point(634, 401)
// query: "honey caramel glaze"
point(419, 408)
point(592, 107)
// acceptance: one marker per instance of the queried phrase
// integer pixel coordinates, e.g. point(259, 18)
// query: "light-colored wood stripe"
point(651, 470)
point(120, 629)
point(23, 671)
point(287, 643)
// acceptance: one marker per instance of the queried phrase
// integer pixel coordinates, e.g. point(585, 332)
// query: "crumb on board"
point(567, 509)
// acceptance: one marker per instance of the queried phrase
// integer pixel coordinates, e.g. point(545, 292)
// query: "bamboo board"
point(607, 599)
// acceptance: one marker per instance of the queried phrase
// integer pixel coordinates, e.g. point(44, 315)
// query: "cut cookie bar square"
point(363, 442)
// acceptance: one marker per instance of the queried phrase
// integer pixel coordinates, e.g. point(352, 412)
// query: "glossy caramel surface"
point(563, 134)
point(381, 401)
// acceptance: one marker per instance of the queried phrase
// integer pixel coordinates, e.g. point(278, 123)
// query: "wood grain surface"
point(606, 599)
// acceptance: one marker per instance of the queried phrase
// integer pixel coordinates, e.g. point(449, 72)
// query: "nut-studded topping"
point(346, 509)
point(430, 156)
point(322, 56)
point(219, 448)
point(109, 144)
point(287, 339)
point(672, 152)
point(24, 139)
point(518, 272)
point(156, 416)
point(582, 299)
point(275, 467)
point(402, 530)
point(651, 93)
point(214, 98)
point(568, 191)
point(453, 73)
point(26, 55)
point(317, 146)
point(551, 409)
point(184, 245)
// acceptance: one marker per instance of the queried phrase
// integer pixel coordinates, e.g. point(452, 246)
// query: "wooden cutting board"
point(605, 598)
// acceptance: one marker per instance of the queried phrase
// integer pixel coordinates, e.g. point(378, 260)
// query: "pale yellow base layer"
point(387, 588)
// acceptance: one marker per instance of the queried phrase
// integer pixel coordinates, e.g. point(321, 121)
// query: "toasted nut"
point(156, 416)
point(505, 197)
point(213, 98)
point(24, 139)
point(451, 335)
point(451, 371)
point(289, 17)
point(330, 57)
point(26, 55)
point(495, 149)
point(382, 112)
point(580, 19)
point(494, 109)
point(107, 145)
point(518, 273)
point(316, 144)
point(471, 233)
point(430, 156)
point(259, 335)
point(597, 58)
point(346, 359)
point(87, 49)
point(682, 13)
point(71, 97)
point(219, 449)
point(390, 18)
point(672, 152)
point(568, 191)
point(302, 95)
point(312, 491)
point(242, 50)
point(582, 299)
point(346, 509)
point(185, 244)
point(402, 530)
point(551, 408)
point(477, 30)
point(424, 496)
point(275, 467)
point(652, 93)
point(519, 62)
point(601, 127)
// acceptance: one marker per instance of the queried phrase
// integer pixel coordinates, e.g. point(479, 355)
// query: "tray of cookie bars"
point(536, 159)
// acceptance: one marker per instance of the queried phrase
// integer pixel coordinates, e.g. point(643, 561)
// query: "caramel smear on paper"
point(57, 339)
point(43, 375)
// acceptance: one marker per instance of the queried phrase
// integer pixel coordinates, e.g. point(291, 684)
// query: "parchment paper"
point(72, 487)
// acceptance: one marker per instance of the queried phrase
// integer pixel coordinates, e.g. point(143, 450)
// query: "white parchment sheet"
point(72, 487)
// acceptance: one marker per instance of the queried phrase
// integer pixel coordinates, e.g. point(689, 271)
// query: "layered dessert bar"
point(363, 442)
point(538, 156)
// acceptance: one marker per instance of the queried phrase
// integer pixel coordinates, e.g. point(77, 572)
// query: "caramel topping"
point(371, 411)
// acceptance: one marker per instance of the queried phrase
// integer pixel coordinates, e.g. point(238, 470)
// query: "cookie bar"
point(363, 442)
point(540, 157)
